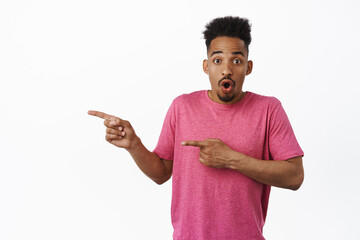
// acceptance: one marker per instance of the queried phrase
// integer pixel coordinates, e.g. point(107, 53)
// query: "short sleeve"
point(282, 141)
point(165, 146)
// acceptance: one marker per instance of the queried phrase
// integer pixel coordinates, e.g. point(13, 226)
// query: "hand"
point(213, 152)
point(118, 132)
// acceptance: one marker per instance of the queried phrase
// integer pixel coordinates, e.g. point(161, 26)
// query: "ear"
point(249, 67)
point(206, 66)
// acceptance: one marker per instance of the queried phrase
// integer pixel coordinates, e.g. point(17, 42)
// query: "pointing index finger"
point(194, 143)
point(102, 115)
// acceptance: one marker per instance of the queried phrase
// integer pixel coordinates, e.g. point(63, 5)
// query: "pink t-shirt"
point(210, 203)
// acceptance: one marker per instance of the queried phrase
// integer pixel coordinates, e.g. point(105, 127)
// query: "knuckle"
point(127, 123)
point(207, 151)
point(204, 156)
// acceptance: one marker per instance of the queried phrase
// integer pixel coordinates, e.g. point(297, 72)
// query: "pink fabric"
point(209, 203)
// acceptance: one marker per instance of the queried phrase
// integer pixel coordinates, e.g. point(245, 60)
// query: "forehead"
point(227, 45)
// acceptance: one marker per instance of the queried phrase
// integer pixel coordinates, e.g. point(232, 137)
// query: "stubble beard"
point(226, 98)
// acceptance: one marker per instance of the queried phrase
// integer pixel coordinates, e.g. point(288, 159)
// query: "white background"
point(60, 179)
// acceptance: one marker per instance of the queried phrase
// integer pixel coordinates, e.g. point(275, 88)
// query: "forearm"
point(149, 163)
point(285, 174)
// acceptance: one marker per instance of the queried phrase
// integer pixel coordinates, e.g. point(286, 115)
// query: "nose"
point(227, 69)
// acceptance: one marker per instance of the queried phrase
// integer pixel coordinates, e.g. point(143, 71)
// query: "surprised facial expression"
point(227, 65)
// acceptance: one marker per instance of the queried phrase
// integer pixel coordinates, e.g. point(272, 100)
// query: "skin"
point(284, 174)
point(120, 133)
point(227, 58)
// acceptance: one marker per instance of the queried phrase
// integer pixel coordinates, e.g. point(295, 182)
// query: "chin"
point(226, 98)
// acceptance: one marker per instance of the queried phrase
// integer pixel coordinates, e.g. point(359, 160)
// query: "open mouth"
point(227, 85)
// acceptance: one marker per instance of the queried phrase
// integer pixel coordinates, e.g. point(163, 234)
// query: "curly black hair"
point(228, 27)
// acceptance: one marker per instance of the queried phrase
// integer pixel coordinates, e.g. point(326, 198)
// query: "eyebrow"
point(234, 53)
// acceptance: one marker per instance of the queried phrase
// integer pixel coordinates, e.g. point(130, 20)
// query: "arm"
point(285, 174)
point(121, 134)
point(157, 169)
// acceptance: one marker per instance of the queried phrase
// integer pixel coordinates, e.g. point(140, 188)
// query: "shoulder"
point(261, 101)
point(189, 98)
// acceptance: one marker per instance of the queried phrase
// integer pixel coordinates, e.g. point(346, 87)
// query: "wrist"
point(236, 161)
point(135, 145)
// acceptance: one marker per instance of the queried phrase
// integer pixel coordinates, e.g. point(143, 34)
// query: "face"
point(227, 65)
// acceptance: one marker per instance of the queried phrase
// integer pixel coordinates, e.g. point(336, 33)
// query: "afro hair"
point(228, 27)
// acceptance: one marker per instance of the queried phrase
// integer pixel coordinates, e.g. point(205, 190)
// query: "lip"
point(226, 80)
point(227, 85)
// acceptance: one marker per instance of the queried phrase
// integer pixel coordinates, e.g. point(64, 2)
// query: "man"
point(224, 148)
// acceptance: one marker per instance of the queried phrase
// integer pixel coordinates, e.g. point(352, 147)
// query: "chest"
point(243, 131)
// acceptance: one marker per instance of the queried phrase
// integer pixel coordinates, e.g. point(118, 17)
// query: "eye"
point(237, 61)
point(217, 61)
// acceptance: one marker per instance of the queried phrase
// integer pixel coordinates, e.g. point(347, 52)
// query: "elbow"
point(160, 181)
point(295, 187)
point(296, 176)
point(297, 182)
